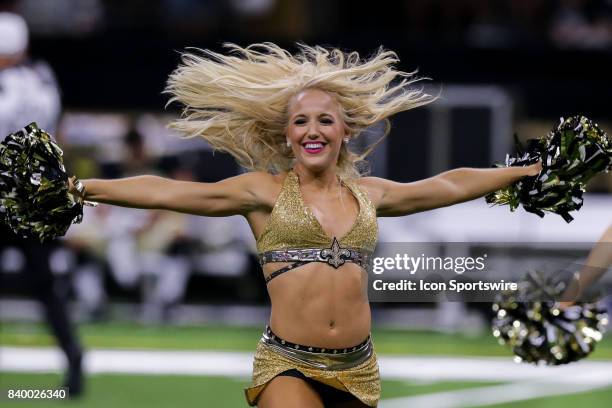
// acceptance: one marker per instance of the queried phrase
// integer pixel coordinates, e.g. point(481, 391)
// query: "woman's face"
point(315, 129)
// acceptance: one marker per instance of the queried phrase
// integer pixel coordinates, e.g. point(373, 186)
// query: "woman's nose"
point(313, 131)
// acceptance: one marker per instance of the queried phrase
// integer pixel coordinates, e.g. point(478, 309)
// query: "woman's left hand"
point(534, 169)
point(564, 305)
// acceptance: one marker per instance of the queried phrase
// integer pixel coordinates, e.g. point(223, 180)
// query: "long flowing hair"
point(239, 101)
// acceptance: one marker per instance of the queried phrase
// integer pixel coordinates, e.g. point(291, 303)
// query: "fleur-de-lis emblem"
point(335, 255)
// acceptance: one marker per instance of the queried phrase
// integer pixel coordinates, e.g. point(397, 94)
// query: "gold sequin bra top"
point(293, 233)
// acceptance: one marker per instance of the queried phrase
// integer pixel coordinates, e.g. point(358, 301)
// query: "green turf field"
point(167, 391)
point(152, 391)
point(137, 391)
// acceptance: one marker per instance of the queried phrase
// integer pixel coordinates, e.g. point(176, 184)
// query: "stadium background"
point(170, 306)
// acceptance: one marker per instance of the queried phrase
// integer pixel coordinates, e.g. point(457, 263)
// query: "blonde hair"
point(239, 102)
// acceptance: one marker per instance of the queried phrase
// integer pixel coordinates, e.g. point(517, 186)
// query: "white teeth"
point(314, 145)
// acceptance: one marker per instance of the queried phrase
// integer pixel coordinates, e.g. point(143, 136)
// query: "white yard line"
point(225, 363)
point(230, 364)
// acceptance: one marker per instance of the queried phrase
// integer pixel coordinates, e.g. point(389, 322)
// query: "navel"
point(332, 324)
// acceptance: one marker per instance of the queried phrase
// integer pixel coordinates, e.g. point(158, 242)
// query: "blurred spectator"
point(172, 246)
point(585, 24)
point(167, 248)
point(153, 253)
point(127, 223)
point(28, 89)
point(63, 17)
point(84, 253)
point(28, 92)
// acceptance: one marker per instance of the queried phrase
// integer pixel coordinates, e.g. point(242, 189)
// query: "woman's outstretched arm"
point(597, 263)
point(232, 196)
point(394, 199)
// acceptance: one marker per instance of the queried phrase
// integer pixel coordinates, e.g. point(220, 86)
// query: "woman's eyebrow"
point(296, 115)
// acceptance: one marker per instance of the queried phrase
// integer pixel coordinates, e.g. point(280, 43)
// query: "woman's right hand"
point(71, 185)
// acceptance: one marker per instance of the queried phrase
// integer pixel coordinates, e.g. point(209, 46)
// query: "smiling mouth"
point(313, 147)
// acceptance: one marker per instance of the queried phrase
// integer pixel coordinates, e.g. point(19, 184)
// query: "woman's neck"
point(326, 180)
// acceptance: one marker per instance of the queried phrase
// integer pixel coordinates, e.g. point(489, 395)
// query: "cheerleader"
point(290, 119)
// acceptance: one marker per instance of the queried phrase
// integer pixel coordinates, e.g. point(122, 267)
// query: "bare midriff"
point(320, 306)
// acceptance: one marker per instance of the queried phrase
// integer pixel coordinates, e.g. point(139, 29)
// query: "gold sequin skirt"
point(355, 372)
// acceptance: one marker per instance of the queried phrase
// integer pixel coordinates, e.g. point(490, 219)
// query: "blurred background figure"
point(28, 93)
point(583, 24)
point(29, 90)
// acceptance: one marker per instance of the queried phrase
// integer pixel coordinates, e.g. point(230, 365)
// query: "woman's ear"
point(347, 132)
point(347, 135)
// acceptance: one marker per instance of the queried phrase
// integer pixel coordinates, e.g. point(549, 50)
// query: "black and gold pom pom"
point(571, 154)
point(34, 198)
point(529, 322)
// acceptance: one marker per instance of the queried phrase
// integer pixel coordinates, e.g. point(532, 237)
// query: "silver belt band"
point(322, 361)
point(334, 255)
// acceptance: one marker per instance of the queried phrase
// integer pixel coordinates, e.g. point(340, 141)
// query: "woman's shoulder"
point(264, 185)
point(369, 183)
point(373, 186)
point(262, 178)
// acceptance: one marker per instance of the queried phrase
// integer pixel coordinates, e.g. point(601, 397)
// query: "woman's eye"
point(327, 121)
point(300, 121)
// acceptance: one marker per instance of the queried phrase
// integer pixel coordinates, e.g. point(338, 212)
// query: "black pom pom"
point(571, 154)
point(34, 198)
point(538, 331)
